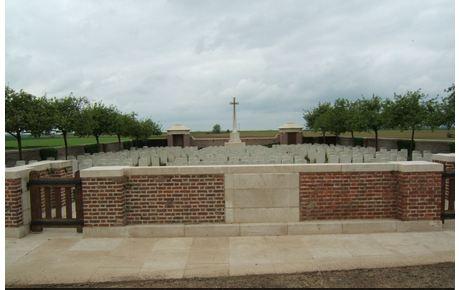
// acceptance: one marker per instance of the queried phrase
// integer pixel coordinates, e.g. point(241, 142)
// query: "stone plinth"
point(235, 140)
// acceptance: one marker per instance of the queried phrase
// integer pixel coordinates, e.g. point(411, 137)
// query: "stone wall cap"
point(402, 166)
point(418, 166)
point(24, 170)
point(178, 127)
point(291, 125)
point(445, 157)
point(103, 171)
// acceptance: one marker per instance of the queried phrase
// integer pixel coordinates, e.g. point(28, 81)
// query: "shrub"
point(451, 147)
point(91, 148)
point(127, 145)
point(48, 152)
point(404, 144)
point(358, 141)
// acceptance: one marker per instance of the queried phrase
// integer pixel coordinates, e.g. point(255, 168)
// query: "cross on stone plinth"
point(234, 103)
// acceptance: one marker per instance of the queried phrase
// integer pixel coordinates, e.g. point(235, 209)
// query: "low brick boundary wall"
point(117, 196)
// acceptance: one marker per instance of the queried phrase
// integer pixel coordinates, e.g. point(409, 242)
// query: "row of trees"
point(26, 113)
point(410, 111)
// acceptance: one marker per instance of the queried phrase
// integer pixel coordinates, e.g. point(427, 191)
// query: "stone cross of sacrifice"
point(234, 103)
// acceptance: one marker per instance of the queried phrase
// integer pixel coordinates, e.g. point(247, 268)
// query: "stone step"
point(268, 229)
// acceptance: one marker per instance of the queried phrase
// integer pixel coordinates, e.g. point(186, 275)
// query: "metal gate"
point(447, 196)
point(50, 198)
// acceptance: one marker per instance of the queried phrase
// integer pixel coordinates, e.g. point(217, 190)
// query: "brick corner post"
point(104, 197)
point(419, 191)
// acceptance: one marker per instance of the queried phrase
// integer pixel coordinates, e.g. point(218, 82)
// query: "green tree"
point(216, 129)
point(318, 119)
point(373, 115)
point(68, 117)
point(447, 108)
point(101, 118)
point(355, 123)
point(408, 112)
point(18, 105)
point(143, 129)
point(122, 123)
point(338, 118)
point(434, 115)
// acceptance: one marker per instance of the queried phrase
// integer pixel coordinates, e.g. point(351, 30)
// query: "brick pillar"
point(419, 195)
point(186, 140)
point(299, 137)
point(13, 202)
point(170, 141)
point(104, 201)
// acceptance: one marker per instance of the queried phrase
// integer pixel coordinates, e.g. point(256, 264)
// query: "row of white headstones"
point(256, 154)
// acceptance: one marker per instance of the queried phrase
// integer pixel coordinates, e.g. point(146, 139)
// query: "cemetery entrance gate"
point(50, 197)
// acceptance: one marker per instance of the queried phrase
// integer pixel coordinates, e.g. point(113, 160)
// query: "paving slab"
point(60, 257)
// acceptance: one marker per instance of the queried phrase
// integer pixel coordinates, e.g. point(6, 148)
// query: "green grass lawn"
point(57, 141)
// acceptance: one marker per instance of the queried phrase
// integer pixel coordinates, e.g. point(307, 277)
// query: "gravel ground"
point(430, 276)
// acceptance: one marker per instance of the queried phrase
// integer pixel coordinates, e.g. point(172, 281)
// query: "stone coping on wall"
point(358, 226)
point(445, 157)
point(401, 166)
point(24, 170)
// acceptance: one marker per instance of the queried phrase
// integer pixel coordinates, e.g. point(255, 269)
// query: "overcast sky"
point(181, 61)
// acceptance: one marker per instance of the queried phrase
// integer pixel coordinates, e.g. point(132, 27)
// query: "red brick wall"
point(13, 202)
point(366, 195)
point(154, 199)
point(419, 195)
point(175, 199)
point(104, 201)
point(351, 195)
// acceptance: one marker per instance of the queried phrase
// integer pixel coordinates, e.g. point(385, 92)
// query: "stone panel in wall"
point(261, 197)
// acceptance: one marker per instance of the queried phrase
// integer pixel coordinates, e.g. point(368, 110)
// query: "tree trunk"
point(119, 142)
point(98, 143)
point(336, 139)
point(323, 137)
point(64, 134)
point(352, 136)
point(376, 139)
point(410, 153)
point(19, 139)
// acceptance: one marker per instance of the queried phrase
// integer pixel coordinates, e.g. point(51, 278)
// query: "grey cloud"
point(181, 61)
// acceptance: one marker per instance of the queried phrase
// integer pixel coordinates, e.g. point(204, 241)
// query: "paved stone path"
point(65, 257)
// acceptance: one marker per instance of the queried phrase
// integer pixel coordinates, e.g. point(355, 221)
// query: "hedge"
point(405, 144)
point(451, 147)
point(127, 145)
point(358, 141)
point(91, 148)
point(48, 152)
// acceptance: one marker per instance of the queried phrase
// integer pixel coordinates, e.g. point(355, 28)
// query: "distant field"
point(58, 141)
point(421, 134)
point(439, 134)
